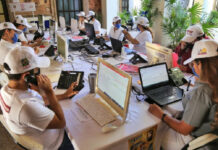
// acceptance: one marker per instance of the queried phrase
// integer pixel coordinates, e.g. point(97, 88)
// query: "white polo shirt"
point(22, 37)
point(97, 25)
point(142, 37)
point(26, 114)
point(116, 34)
point(5, 47)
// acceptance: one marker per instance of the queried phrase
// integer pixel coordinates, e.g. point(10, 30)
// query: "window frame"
point(67, 10)
point(126, 6)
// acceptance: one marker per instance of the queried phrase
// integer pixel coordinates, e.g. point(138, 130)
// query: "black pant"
point(66, 144)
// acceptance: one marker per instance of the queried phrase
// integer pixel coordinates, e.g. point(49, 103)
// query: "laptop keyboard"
point(91, 50)
point(165, 91)
point(97, 110)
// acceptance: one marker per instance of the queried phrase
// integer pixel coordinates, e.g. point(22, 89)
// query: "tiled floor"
point(6, 141)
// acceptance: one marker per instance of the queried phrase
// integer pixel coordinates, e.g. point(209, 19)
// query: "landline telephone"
point(137, 58)
point(37, 35)
point(68, 77)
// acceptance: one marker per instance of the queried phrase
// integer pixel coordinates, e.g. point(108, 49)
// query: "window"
point(3, 11)
point(125, 5)
point(68, 9)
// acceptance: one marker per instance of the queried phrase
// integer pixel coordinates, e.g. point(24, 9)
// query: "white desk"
point(86, 134)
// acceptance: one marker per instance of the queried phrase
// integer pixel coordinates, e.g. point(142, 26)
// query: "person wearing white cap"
point(193, 33)
point(22, 24)
point(116, 29)
point(199, 104)
point(97, 25)
point(9, 37)
point(145, 35)
point(34, 113)
point(82, 21)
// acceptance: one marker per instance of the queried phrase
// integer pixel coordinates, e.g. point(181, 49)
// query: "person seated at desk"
point(193, 33)
point(82, 21)
point(22, 24)
point(145, 35)
point(9, 39)
point(92, 19)
point(33, 113)
point(116, 30)
point(199, 104)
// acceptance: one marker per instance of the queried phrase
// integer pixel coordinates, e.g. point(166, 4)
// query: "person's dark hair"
point(149, 29)
point(16, 24)
point(14, 76)
point(2, 33)
point(209, 73)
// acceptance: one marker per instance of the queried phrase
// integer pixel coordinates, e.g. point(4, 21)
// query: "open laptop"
point(113, 89)
point(116, 45)
point(156, 84)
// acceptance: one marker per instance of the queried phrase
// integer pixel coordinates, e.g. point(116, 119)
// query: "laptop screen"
point(154, 75)
point(116, 45)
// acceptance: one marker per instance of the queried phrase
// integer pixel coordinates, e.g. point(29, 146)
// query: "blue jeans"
point(66, 144)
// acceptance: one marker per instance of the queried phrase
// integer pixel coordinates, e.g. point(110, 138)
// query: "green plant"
point(134, 12)
point(176, 23)
point(125, 16)
point(147, 6)
point(209, 22)
point(179, 19)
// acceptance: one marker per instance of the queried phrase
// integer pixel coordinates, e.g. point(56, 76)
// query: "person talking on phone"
point(29, 104)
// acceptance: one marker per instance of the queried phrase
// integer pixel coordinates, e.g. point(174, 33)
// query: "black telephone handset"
point(31, 79)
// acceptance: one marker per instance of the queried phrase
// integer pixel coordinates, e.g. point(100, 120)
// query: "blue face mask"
point(193, 71)
point(118, 25)
point(15, 38)
point(138, 28)
point(25, 29)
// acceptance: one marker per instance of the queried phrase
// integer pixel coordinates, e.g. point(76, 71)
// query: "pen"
point(189, 82)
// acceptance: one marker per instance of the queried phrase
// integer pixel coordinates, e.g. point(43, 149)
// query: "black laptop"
point(156, 84)
point(116, 45)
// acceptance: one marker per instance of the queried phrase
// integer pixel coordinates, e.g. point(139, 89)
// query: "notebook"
point(157, 86)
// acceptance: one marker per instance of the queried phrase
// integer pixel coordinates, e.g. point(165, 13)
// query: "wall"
point(42, 8)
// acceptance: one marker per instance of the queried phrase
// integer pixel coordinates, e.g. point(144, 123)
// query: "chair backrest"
point(62, 22)
point(23, 140)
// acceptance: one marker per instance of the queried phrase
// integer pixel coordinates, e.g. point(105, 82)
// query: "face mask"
point(25, 29)
point(118, 25)
point(193, 71)
point(15, 38)
point(138, 28)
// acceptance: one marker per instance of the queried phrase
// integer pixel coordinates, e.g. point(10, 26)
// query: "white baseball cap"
point(23, 59)
point(117, 18)
point(142, 21)
point(203, 49)
point(91, 13)
point(81, 14)
point(9, 25)
point(192, 33)
point(23, 21)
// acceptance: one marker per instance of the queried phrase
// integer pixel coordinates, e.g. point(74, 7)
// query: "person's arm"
point(130, 38)
point(45, 87)
point(177, 125)
point(69, 93)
